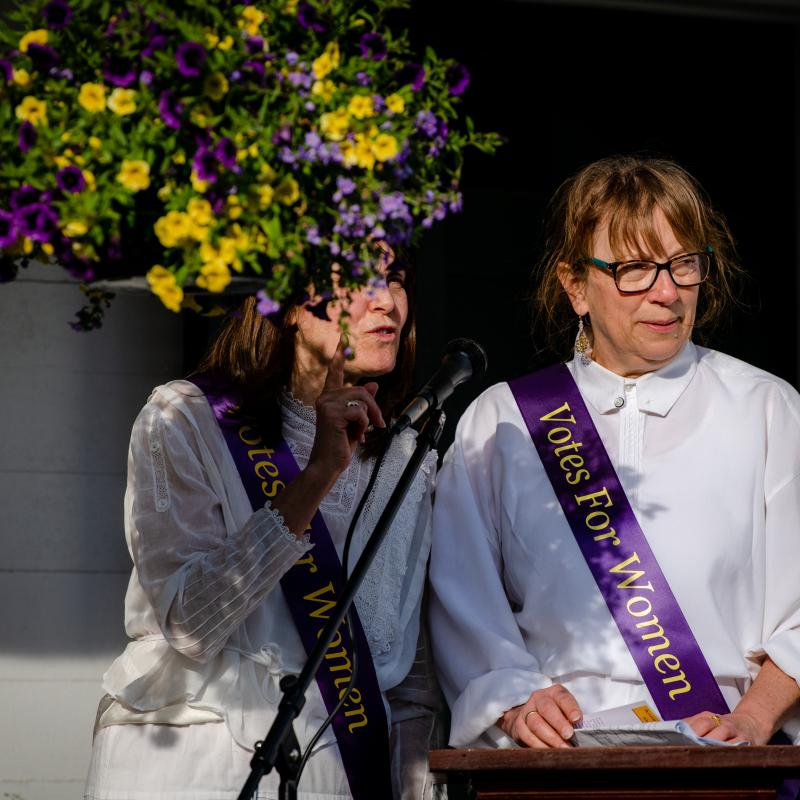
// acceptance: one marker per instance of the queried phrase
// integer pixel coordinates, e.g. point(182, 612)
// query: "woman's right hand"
point(344, 413)
point(544, 720)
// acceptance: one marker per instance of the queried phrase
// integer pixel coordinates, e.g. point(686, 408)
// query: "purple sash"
point(311, 588)
point(615, 548)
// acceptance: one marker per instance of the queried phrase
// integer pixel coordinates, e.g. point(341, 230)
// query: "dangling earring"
point(582, 344)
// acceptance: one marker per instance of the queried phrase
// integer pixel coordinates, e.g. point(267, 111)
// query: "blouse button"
point(619, 402)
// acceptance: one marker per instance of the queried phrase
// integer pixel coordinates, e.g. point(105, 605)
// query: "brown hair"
point(623, 191)
point(254, 357)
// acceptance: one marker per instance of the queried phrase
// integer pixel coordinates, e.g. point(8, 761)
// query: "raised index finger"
point(335, 377)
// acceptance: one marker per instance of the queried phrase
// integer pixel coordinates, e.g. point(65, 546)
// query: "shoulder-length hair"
point(623, 192)
point(254, 357)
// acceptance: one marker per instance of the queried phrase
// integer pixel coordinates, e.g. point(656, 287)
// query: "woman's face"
point(634, 333)
point(377, 318)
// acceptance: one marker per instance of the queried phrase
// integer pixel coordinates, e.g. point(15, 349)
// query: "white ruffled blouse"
point(211, 632)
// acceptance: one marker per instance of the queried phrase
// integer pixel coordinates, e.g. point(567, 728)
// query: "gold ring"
point(532, 711)
point(717, 719)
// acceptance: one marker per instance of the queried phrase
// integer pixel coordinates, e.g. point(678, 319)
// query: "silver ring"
point(353, 404)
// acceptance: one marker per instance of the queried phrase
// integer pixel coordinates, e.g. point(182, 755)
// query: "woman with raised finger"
point(242, 484)
point(624, 528)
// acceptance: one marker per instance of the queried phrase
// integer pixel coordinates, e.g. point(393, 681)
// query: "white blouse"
point(212, 634)
point(708, 452)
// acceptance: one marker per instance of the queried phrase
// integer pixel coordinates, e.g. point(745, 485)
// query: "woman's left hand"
point(735, 727)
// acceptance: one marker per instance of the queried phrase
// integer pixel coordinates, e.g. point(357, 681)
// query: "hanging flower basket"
point(191, 143)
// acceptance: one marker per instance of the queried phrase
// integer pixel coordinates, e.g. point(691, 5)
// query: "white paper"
point(618, 727)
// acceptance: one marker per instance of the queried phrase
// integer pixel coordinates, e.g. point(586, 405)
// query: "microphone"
point(463, 359)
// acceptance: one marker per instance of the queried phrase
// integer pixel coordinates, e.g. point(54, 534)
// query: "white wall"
point(67, 402)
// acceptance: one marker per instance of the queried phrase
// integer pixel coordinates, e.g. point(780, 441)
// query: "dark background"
point(712, 85)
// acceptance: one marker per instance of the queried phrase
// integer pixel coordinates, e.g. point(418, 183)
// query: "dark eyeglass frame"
point(667, 265)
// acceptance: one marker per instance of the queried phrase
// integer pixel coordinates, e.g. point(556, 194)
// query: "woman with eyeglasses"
point(624, 529)
point(243, 483)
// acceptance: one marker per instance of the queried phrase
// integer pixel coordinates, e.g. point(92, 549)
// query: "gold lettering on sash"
point(327, 605)
point(659, 634)
point(595, 497)
point(552, 418)
point(261, 451)
point(362, 716)
point(308, 559)
point(244, 430)
point(635, 574)
point(686, 687)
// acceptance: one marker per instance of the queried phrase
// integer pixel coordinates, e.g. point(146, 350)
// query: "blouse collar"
point(656, 392)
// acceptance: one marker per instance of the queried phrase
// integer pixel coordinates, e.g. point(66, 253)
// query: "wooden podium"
point(621, 773)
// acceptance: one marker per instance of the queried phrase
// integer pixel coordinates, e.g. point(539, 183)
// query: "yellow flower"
point(212, 40)
point(216, 86)
point(179, 158)
point(165, 287)
point(95, 143)
point(267, 174)
point(226, 43)
point(200, 115)
point(200, 211)
point(32, 110)
point(214, 276)
point(253, 150)
point(48, 248)
point(21, 77)
point(88, 176)
point(173, 229)
point(290, 7)
point(122, 101)
point(75, 227)
point(92, 97)
point(395, 103)
point(251, 20)
point(27, 246)
point(200, 186)
point(358, 153)
point(265, 194)
point(385, 147)
point(334, 124)
point(323, 89)
point(327, 62)
point(234, 207)
point(287, 191)
point(134, 175)
point(360, 107)
point(38, 36)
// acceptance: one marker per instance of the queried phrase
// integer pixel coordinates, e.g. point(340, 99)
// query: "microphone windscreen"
point(473, 351)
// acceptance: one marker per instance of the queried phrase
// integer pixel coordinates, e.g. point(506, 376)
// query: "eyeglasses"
point(687, 269)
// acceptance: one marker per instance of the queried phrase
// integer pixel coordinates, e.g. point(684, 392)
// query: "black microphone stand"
point(280, 748)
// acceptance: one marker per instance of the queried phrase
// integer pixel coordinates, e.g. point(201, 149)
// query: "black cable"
point(354, 661)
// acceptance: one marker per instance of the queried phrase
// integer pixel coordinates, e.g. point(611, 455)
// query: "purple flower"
point(190, 58)
point(344, 186)
point(7, 69)
point(26, 195)
point(457, 78)
point(157, 42)
point(119, 71)
point(266, 306)
point(27, 136)
point(254, 45)
point(457, 203)
point(373, 46)
point(57, 14)
point(299, 79)
point(308, 17)
point(426, 122)
point(205, 165)
point(70, 179)
point(312, 235)
point(292, 58)
point(225, 151)
point(170, 109)
point(394, 206)
point(146, 77)
point(413, 74)
point(8, 229)
point(37, 221)
point(362, 79)
point(43, 56)
point(283, 134)
point(255, 68)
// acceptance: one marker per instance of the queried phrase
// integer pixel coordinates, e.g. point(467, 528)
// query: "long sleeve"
point(201, 582)
point(484, 665)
